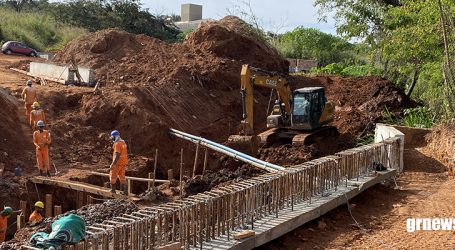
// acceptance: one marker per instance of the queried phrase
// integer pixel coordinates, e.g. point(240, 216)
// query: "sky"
point(276, 16)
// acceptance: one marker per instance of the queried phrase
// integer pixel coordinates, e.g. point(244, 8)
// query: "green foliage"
point(309, 43)
point(405, 39)
point(331, 69)
point(421, 117)
point(38, 30)
point(365, 139)
point(361, 70)
point(182, 36)
point(124, 14)
point(349, 71)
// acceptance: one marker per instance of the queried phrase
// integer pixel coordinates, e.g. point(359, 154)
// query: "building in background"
point(301, 65)
point(191, 17)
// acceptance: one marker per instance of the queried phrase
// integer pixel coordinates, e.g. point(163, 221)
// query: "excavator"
point(298, 117)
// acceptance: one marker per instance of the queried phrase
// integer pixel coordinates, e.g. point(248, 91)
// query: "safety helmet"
point(36, 105)
point(39, 204)
point(29, 82)
point(7, 210)
point(115, 133)
point(40, 123)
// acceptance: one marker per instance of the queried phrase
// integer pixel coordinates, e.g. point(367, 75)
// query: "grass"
point(38, 30)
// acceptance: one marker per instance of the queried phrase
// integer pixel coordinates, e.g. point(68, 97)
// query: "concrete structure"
point(383, 132)
point(191, 17)
point(61, 73)
point(271, 227)
point(46, 55)
point(301, 65)
point(190, 12)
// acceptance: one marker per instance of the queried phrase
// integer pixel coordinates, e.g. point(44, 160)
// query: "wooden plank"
point(131, 178)
point(244, 234)
point(48, 206)
point(78, 186)
point(173, 246)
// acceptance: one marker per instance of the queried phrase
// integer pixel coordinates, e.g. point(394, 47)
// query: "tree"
point(310, 43)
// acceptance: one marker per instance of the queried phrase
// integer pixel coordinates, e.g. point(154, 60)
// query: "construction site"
point(178, 106)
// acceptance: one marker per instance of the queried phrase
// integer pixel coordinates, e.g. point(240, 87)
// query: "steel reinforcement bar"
point(206, 216)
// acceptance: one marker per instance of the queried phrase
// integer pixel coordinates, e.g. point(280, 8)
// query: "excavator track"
point(310, 137)
point(296, 137)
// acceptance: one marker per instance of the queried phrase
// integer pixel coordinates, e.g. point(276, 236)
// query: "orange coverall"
point(35, 217)
point(3, 227)
point(35, 116)
point(118, 169)
point(42, 141)
point(29, 96)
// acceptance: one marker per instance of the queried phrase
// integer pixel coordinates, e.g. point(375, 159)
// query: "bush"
point(361, 70)
point(38, 30)
point(421, 117)
point(331, 69)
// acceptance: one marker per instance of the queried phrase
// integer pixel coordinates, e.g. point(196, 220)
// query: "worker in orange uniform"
point(37, 215)
point(36, 115)
point(42, 140)
point(119, 162)
point(4, 215)
point(29, 97)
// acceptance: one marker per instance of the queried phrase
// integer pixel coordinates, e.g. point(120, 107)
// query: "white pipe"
point(228, 151)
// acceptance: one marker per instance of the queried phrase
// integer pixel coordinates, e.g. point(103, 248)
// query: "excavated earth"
point(149, 86)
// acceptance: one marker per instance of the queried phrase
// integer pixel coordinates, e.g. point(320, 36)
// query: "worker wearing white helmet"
point(36, 115)
point(29, 97)
point(42, 140)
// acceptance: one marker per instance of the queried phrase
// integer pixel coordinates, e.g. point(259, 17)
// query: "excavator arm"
point(248, 80)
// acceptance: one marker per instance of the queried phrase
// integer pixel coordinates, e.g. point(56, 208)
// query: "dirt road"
point(424, 190)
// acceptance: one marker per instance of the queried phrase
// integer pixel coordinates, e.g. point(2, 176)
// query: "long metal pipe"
point(228, 151)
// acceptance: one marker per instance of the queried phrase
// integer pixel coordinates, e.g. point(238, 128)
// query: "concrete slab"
point(61, 72)
point(383, 132)
point(270, 227)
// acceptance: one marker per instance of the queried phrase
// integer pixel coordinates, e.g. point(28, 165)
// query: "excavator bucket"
point(248, 144)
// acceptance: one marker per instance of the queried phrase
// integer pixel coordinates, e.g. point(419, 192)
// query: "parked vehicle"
point(13, 47)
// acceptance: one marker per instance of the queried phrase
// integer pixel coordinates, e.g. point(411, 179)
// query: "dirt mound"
point(441, 143)
point(149, 86)
point(233, 38)
point(360, 101)
point(13, 144)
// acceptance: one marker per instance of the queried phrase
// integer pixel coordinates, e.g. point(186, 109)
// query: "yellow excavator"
point(298, 117)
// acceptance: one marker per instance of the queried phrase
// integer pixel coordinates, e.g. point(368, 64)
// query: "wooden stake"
point(154, 167)
point(195, 159)
point(181, 173)
point(57, 210)
point(48, 205)
point(23, 207)
point(170, 174)
point(130, 187)
point(205, 161)
point(20, 221)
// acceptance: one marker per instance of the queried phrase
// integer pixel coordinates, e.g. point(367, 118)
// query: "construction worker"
point(36, 115)
point(4, 215)
point(42, 140)
point(29, 97)
point(119, 162)
point(37, 215)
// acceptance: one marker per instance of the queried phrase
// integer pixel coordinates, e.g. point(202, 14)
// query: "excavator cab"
point(307, 108)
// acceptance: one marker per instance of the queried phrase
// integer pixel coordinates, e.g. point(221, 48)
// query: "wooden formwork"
point(200, 218)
